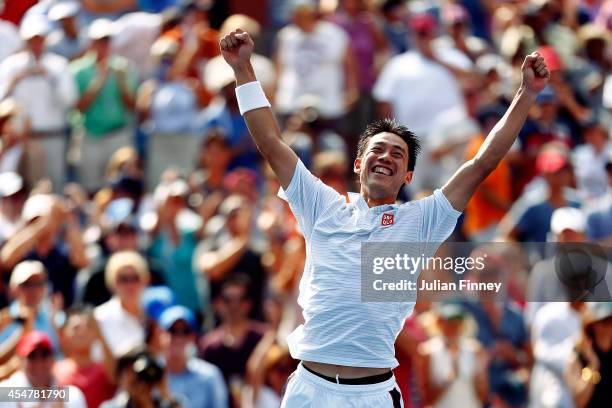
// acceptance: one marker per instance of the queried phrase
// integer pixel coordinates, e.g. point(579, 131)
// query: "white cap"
point(24, 271)
point(217, 74)
point(10, 183)
point(33, 27)
point(38, 205)
point(567, 218)
point(101, 28)
point(65, 9)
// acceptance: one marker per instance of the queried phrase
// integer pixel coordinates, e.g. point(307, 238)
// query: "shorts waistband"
point(303, 374)
point(372, 379)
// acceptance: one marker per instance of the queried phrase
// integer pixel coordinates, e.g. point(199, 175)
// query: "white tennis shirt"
point(338, 328)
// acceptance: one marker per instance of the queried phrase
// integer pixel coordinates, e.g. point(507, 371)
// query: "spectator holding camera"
point(45, 217)
point(143, 383)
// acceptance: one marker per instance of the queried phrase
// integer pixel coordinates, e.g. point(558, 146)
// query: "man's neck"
point(82, 358)
point(176, 364)
point(375, 202)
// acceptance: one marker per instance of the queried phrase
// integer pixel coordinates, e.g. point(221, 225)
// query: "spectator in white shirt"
point(10, 42)
point(42, 85)
point(313, 58)
point(120, 319)
point(589, 160)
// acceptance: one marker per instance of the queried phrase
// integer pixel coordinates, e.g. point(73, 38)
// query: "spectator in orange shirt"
point(494, 196)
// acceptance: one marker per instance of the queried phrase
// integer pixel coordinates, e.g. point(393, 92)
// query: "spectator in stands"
point(546, 281)
point(193, 382)
point(589, 160)
point(45, 217)
point(29, 287)
point(452, 367)
point(230, 252)
point(174, 240)
point(68, 40)
point(127, 274)
point(167, 105)
point(77, 336)
point(41, 84)
point(36, 353)
point(230, 345)
point(529, 218)
point(314, 58)
point(107, 87)
point(588, 374)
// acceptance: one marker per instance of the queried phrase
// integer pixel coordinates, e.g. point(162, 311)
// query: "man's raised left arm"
point(462, 185)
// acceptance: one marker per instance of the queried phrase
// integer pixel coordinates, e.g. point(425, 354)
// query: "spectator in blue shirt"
point(194, 382)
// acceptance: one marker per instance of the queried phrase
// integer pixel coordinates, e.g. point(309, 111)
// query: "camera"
point(148, 370)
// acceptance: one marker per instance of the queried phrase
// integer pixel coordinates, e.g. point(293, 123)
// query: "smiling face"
point(383, 167)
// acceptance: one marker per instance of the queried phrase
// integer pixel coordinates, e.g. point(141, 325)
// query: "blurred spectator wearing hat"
point(12, 198)
point(369, 49)
point(68, 40)
point(198, 40)
point(314, 57)
point(451, 365)
point(493, 197)
point(230, 345)
point(95, 379)
point(35, 351)
point(194, 382)
point(589, 160)
point(127, 275)
point(395, 26)
point(174, 238)
point(456, 20)
point(167, 105)
point(119, 232)
point(41, 84)
point(230, 250)
point(589, 372)
point(546, 282)
point(30, 307)
point(50, 234)
point(529, 219)
point(107, 88)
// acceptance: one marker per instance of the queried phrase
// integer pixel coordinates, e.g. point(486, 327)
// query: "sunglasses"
point(180, 332)
point(33, 284)
point(39, 354)
point(128, 279)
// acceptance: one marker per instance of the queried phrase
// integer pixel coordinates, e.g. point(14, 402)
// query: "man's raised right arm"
point(236, 48)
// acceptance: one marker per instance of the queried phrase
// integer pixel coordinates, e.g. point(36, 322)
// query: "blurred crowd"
point(146, 259)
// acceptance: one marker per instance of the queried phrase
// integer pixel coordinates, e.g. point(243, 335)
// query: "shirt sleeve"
point(439, 217)
point(66, 86)
point(219, 390)
point(308, 198)
point(383, 88)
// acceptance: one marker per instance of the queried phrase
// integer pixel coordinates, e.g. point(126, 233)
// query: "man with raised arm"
point(347, 346)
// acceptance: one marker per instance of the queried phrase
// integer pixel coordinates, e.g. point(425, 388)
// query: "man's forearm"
point(504, 134)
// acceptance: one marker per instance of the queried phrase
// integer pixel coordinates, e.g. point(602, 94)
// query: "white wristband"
point(251, 96)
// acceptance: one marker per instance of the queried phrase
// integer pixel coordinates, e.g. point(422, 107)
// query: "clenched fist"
point(236, 48)
point(535, 73)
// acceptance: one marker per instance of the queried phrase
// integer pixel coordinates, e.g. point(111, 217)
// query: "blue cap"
point(546, 95)
point(175, 313)
point(155, 300)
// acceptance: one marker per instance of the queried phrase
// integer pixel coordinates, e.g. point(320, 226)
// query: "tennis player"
point(346, 346)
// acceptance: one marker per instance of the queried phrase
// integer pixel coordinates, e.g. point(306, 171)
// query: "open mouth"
point(385, 171)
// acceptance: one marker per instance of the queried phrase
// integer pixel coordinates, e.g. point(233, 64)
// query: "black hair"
point(237, 279)
point(79, 309)
point(388, 125)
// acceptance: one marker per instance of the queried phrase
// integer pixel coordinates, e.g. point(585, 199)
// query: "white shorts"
point(306, 390)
